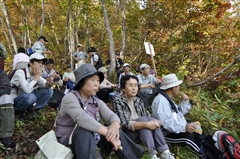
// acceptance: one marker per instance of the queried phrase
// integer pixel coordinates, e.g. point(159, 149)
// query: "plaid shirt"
point(121, 108)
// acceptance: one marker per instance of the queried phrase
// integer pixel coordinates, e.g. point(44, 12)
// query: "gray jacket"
point(71, 112)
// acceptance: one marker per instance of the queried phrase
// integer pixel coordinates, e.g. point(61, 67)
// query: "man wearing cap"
point(119, 61)
point(149, 85)
point(25, 81)
point(95, 60)
point(39, 46)
point(126, 71)
point(175, 128)
point(80, 56)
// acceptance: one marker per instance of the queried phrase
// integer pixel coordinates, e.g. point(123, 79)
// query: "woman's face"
point(131, 88)
point(90, 86)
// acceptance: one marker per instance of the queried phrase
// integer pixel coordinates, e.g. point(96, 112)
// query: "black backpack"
point(210, 149)
point(5, 87)
point(99, 64)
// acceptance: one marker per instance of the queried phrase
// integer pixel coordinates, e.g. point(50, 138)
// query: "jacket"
point(71, 113)
point(172, 122)
point(21, 85)
point(38, 47)
point(121, 108)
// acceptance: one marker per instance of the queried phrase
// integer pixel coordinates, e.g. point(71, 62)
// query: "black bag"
point(210, 149)
point(56, 98)
point(5, 86)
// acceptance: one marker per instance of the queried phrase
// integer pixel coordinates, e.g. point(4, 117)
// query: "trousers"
point(152, 139)
point(84, 146)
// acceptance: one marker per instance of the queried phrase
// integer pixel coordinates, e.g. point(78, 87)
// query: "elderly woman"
point(136, 121)
point(80, 107)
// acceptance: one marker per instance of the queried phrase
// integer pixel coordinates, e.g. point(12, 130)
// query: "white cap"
point(126, 64)
point(37, 56)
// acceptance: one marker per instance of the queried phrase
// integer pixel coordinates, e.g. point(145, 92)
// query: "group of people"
point(81, 110)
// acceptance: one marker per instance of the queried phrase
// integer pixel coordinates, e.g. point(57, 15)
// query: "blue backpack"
point(30, 51)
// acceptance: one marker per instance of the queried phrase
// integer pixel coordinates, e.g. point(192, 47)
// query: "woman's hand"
point(153, 124)
point(113, 132)
point(116, 144)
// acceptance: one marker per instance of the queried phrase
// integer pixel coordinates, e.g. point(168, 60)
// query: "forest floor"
point(32, 128)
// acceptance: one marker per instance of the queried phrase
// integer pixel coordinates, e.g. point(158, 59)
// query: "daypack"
point(1, 63)
point(11, 74)
point(210, 149)
point(30, 51)
point(99, 64)
point(5, 87)
point(56, 98)
point(228, 145)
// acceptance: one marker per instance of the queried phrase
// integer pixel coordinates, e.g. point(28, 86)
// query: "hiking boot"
point(8, 141)
point(155, 157)
point(167, 155)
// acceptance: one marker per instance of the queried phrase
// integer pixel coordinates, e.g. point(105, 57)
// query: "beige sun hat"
point(170, 81)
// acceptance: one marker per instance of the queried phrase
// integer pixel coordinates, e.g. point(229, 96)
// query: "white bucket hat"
point(170, 81)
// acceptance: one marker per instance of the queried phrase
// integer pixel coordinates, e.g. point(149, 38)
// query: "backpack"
point(30, 51)
point(5, 86)
point(56, 98)
point(227, 145)
point(210, 149)
point(1, 63)
point(99, 64)
point(11, 74)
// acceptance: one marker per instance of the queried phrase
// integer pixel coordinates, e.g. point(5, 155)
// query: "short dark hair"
point(50, 61)
point(126, 78)
point(21, 49)
point(36, 60)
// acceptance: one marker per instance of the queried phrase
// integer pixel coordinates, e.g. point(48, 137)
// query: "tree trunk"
point(53, 28)
point(110, 36)
point(9, 27)
point(5, 33)
point(124, 27)
point(66, 32)
point(43, 17)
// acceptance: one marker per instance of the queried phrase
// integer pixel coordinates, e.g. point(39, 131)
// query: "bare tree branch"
point(236, 59)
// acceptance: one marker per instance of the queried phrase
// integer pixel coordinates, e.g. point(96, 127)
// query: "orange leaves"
point(221, 9)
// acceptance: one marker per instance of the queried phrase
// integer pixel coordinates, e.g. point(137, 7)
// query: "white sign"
point(149, 46)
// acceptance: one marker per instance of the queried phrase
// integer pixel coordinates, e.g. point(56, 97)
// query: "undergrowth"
point(213, 110)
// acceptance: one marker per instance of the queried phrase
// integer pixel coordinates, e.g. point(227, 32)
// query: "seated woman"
point(105, 87)
point(80, 107)
point(136, 120)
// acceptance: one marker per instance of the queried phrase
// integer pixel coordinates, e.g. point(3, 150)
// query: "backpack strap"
point(11, 74)
point(173, 107)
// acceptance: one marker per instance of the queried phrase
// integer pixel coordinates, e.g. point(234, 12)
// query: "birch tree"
point(43, 17)
point(66, 30)
point(124, 27)
point(4, 10)
point(111, 41)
